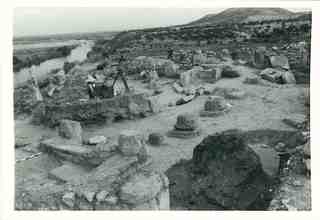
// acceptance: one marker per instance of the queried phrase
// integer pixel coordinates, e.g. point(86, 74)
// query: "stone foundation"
point(126, 107)
point(87, 177)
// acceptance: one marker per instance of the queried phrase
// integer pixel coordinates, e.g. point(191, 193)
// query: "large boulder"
point(71, 130)
point(231, 172)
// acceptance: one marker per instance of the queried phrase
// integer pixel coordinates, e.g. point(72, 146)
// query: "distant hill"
point(237, 15)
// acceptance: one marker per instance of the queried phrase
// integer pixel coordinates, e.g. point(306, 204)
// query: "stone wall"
point(121, 107)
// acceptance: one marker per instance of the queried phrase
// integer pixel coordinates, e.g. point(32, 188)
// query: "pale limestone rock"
point(97, 140)
point(141, 188)
point(102, 195)
point(130, 142)
point(69, 199)
point(71, 130)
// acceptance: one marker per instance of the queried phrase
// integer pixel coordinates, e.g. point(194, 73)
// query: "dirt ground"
point(263, 107)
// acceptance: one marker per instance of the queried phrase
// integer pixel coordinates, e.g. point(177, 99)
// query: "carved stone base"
point(204, 113)
point(184, 133)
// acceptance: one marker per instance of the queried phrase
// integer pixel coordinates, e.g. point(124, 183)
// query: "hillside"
point(237, 15)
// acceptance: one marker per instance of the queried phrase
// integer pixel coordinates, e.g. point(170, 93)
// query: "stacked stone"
point(69, 145)
point(215, 106)
point(124, 181)
point(187, 126)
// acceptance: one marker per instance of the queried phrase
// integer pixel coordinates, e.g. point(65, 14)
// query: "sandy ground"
point(263, 107)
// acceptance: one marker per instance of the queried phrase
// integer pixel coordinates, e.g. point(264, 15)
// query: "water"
point(21, 46)
point(77, 54)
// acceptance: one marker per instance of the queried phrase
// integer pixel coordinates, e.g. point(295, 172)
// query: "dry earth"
point(263, 107)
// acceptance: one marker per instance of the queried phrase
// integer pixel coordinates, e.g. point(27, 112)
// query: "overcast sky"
point(38, 21)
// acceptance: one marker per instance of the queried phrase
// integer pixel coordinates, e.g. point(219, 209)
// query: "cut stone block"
point(97, 140)
point(130, 142)
point(183, 134)
point(71, 130)
point(163, 199)
point(215, 106)
point(78, 154)
point(68, 173)
point(187, 122)
point(141, 188)
point(113, 166)
point(57, 145)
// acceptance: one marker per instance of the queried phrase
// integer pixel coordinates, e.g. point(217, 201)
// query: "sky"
point(42, 21)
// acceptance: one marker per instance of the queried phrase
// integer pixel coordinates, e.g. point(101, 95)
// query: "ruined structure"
point(228, 171)
point(99, 177)
point(104, 110)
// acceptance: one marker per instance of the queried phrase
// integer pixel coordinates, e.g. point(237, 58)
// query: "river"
point(40, 71)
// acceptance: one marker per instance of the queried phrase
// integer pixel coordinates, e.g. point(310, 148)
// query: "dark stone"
point(155, 139)
point(231, 172)
point(228, 72)
point(187, 122)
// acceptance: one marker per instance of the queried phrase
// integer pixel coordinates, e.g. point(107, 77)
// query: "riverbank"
point(24, 58)
point(77, 53)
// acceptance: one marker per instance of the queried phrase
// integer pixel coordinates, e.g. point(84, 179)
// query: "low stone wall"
point(121, 107)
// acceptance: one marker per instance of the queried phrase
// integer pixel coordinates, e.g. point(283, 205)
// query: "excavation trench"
point(232, 170)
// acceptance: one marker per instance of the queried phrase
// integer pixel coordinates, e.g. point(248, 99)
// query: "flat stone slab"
point(184, 134)
point(58, 145)
point(71, 152)
point(68, 173)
